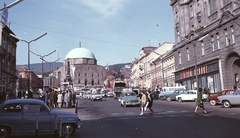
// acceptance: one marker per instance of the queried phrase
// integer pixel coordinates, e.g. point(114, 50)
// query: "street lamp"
point(161, 58)
point(28, 42)
point(195, 53)
point(50, 80)
point(41, 57)
point(11, 5)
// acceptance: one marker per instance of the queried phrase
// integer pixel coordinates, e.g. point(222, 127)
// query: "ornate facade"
point(207, 41)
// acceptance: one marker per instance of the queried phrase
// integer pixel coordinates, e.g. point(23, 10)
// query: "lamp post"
point(11, 5)
point(160, 56)
point(51, 69)
point(41, 57)
point(28, 42)
point(195, 53)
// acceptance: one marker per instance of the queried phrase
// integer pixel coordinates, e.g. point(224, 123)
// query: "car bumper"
point(132, 103)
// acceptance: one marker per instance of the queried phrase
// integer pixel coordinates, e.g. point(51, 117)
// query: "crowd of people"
point(58, 99)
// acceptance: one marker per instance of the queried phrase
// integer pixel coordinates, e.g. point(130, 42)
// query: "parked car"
point(213, 100)
point(18, 116)
point(230, 99)
point(172, 96)
point(162, 95)
point(96, 96)
point(190, 95)
point(129, 98)
point(110, 94)
point(88, 95)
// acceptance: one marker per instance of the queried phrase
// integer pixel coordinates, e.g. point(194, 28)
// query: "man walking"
point(149, 102)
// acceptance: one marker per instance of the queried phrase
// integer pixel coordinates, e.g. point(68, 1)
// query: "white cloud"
point(107, 8)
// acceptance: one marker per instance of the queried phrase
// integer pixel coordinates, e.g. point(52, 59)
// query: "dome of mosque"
point(80, 52)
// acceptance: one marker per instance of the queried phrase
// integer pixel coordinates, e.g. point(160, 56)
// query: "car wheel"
point(226, 104)
point(168, 99)
point(161, 98)
point(179, 99)
point(4, 132)
point(212, 102)
point(71, 128)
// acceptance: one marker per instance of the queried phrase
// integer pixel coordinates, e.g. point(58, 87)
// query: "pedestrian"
point(59, 99)
point(51, 99)
point(63, 93)
point(143, 102)
point(149, 102)
point(65, 99)
point(45, 97)
point(199, 102)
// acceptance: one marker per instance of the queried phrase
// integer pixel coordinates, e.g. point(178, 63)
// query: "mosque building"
point(79, 70)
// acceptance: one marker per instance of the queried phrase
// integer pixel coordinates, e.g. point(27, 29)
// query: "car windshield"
point(130, 94)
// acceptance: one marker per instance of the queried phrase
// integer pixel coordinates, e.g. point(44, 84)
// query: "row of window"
point(8, 45)
point(87, 75)
point(211, 4)
point(86, 82)
point(229, 39)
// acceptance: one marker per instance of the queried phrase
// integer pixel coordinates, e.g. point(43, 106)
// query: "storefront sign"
point(191, 73)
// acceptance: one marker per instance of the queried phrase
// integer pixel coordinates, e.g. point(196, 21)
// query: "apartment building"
point(207, 41)
point(8, 73)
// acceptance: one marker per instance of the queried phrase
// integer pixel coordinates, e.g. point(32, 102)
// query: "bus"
point(172, 89)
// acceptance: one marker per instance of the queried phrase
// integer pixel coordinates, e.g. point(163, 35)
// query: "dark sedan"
point(19, 116)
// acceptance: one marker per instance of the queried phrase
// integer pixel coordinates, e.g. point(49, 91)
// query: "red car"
point(214, 98)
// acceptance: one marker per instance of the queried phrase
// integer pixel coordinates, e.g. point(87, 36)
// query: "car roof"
point(34, 101)
point(128, 92)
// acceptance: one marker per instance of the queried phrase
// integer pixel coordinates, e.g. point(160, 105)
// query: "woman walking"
point(199, 102)
point(143, 102)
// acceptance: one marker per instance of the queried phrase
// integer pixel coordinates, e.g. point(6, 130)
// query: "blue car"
point(172, 96)
point(19, 116)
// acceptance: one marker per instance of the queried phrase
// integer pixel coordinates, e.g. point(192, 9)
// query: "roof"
point(24, 101)
point(80, 52)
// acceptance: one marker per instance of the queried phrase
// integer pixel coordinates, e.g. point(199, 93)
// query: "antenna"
point(80, 44)
point(148, 42)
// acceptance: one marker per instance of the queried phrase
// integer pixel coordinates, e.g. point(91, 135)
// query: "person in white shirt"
point(59, 99)
point(65, 99)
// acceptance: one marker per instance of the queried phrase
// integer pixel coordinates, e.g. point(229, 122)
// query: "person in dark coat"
point(199, 102)
point(149, 102)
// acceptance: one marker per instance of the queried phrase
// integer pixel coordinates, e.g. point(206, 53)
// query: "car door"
point(236, 98)
point(11, 115)
point(31, 112)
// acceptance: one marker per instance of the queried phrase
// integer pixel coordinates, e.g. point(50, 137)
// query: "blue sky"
point(114, 30)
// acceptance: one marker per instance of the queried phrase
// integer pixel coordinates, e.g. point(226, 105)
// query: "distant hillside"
point(117, 67)
point(37, 67)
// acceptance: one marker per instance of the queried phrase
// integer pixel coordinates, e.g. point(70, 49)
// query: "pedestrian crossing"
point(160, 114)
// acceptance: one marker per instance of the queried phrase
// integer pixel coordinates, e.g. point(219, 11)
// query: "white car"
point(96, 96)
point(190, 95)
